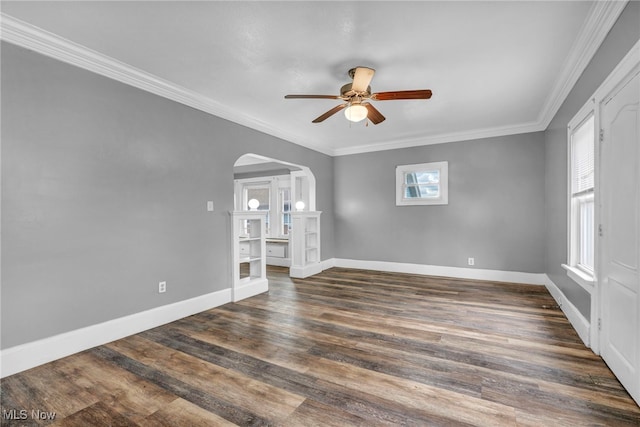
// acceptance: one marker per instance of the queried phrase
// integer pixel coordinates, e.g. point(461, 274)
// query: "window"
point(581, 195)
point(422, 184)
point(285, 211)
point(273, 194)
point(261, 193)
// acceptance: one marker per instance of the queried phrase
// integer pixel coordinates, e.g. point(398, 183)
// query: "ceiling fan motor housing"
point(347, 92)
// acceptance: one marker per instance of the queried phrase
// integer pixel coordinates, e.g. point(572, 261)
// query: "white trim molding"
point(624, 69)
point(26, 356)
point(587, 282)
point(444, 271)
point(601, 18)
point(306, 270)
point(580, 323)
point(253, 288)
point(328, 263)
point(29, 36)
point(415, 141)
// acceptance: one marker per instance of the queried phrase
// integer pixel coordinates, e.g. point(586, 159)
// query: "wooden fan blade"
point(374, 115)
point(361, 79)
point(311, 97)
point(402, 94)
point(329, 113)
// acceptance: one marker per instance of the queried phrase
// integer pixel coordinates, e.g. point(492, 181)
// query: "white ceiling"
point(494, 68)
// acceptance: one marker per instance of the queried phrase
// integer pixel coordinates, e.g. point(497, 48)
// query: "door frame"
point(623, 73)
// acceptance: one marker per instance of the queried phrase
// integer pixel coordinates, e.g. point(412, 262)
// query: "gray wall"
point(620, 39)
point(104, 191)
point(495, 212)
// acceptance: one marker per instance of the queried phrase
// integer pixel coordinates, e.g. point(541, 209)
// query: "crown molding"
point(441, 139)
point(23, 34)
point(602, 16)
point(600, 19)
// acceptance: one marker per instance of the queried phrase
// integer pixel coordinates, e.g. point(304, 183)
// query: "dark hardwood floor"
point(345, 347)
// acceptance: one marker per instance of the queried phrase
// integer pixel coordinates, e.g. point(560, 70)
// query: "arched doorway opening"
point(284, 191)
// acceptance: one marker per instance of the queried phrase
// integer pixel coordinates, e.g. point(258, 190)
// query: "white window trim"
point(586, 280)
point(583, 277)
point(443, 167)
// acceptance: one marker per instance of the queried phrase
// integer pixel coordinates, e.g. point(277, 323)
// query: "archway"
point(281, 188)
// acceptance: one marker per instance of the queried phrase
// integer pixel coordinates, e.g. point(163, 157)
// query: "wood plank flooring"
point(342, 348)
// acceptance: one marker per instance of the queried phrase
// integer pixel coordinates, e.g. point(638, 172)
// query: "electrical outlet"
point(472, 261)
point(209, 206)
point(162, 287)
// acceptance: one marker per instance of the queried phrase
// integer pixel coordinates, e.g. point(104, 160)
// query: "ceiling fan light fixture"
point(356, 112)
point(356, 94)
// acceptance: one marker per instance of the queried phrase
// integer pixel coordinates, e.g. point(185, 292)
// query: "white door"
point(620, 241)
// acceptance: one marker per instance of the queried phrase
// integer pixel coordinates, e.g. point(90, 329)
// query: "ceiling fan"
point(357, 94)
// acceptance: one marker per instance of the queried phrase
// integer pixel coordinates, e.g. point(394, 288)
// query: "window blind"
point(582, 153)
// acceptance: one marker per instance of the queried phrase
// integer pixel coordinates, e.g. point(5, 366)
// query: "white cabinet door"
point(276, 250)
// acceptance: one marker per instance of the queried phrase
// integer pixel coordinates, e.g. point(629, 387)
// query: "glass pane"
point(262, 195)
point(422, 177)
point(285, 207)
point(412, 192)
point(422, 191)
point(244, 270)
point(586, 212)
point(285, 197)
point(286, 224)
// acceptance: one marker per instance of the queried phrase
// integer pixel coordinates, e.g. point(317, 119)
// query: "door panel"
point(620, 243)
point(624, 300)
point(624, 220)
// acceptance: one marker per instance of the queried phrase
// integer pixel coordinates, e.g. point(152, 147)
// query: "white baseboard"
point(254, 287)
point(328, 263)
point(280, 262)
point(436, 270)
point(30, 355)
point(581, 325)
point(306, 271)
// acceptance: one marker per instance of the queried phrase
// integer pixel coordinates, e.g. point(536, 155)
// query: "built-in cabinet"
point(273, 194)
point(249, 254)
point(292, 238)
point(305, 259)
